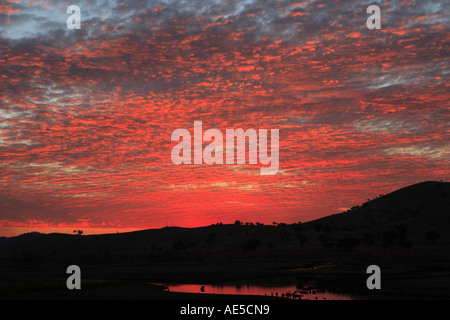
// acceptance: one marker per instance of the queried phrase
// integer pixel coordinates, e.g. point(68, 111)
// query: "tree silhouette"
point(270, 247)
point(327, 229)
point(318, 226)
point(250, 245)
point(368, 239)
point(211, 237)
point(389, 238)
point(179, 245)
point(348, 242)
point(301, 238)
point(325, 242)
point(432, 236)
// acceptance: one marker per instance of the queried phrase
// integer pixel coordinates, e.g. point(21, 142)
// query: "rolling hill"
point(415, 217)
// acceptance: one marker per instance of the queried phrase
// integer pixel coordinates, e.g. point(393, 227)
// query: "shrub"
point(250, 245)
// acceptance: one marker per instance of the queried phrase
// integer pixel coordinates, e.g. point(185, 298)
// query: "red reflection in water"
point(284, 291)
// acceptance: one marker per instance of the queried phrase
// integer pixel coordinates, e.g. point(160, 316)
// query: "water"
point(286, 287)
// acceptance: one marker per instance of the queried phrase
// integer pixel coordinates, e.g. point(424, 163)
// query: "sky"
point(86, 115)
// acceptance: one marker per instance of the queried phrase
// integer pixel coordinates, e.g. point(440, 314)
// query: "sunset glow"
point(86, 116)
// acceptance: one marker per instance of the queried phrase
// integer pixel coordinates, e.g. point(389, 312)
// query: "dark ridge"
point(416, 216)
point(428, 198)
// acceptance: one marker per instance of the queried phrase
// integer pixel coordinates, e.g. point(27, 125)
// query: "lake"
point(285, 286)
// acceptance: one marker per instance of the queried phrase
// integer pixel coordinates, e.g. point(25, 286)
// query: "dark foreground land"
point(406, 233)
point(136, 282)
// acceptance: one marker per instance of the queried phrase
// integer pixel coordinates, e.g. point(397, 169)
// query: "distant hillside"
point(423, 201)
point(416, 217)
point(168, 244)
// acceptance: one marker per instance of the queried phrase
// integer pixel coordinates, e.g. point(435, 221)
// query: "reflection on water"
point(285, 287)
point(322, 266)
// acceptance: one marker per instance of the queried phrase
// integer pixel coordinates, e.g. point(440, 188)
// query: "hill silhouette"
point(406, 231)
point(423, 200)
point(417, 215)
